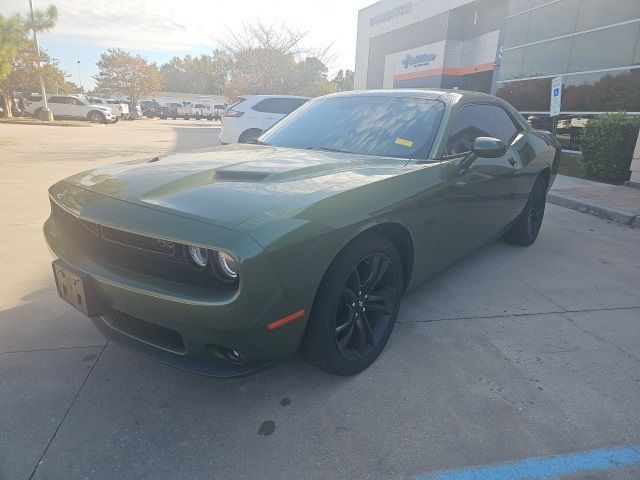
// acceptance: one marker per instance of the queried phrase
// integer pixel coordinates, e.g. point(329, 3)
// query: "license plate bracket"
point(76, 289)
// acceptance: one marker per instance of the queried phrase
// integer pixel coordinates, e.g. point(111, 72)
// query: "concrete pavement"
point(512, 353)
point(618, 203)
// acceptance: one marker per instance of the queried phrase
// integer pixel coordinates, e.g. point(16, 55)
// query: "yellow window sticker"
point(404, 142)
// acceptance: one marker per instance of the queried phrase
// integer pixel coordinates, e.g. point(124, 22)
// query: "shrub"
point(607, 147)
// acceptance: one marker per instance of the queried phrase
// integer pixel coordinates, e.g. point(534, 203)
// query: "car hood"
point(228, 185)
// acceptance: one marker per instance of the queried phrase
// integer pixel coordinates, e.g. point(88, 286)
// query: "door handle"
point(512, 162)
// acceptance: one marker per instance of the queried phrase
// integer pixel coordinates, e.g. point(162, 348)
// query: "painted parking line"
point(545, 467)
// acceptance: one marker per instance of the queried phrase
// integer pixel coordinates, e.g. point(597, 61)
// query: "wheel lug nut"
point(353, 304)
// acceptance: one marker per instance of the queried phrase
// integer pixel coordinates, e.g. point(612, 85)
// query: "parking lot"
point(510, 354)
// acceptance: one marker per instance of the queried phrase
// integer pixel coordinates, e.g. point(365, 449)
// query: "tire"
point(341, 337)
point(248, 136)
point(526, 228)
point(96, 117)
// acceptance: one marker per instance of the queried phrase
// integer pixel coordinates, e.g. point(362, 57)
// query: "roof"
point(450, 96)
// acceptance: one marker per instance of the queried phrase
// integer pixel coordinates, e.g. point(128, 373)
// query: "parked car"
point(70, 106)
point(150, 108)
point(246, 119)
point(123, 108)
point(116, 108)
point(225, 261)
point(135, 111)
point(202, 110)
point(172, 110)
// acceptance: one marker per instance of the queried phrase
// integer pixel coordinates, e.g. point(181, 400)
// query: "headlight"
point(227, 265)
point(198, 256)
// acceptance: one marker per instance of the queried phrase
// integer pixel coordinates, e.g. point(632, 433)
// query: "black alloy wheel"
point(366, 306)
point(356, 306)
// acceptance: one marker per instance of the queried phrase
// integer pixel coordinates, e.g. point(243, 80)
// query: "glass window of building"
point(516, 6)
point(516, 30)
point(511, 64)
point(608, 48)
point(596, 13)
point(553, 20)
point(527, 95)
point(602, 92)
point(547, 58)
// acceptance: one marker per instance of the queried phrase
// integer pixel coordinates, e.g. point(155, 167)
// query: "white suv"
point(245, 120)
point(69, 106)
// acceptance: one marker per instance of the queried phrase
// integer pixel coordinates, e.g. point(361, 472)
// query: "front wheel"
point(97, 117)
point(526, 228)
point(355, 308)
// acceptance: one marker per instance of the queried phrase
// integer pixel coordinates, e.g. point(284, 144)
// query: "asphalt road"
point(510, 354)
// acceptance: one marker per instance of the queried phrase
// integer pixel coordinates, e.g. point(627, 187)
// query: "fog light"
point(233, 356)
point(199, 256)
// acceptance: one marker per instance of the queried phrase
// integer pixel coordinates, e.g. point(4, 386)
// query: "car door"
point(77, 108)
point(479, 192)
point(58, 106)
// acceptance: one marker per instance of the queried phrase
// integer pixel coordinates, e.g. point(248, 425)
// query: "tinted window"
point(473, 121)
point(199, 105)
point(34, 98)
point(507, 126)
point(369, 125)
point(282, 106)
point(57, 100)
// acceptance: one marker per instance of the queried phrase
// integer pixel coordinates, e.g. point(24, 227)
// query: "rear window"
point(282, 106)
point(200, 105)
point(240, 100)
point(219, 107)
point(33, 98)
point(58, 100)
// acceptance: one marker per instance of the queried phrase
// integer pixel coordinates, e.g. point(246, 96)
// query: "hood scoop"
point(239, 176)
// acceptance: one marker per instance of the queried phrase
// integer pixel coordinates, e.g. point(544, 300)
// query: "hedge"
point(608, 142)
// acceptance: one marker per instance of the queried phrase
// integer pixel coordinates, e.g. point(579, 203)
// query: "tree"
point(343, 80)
point(131, 75)
point(272, 59)
point(24, 73)
point(206, 74)
point(14, 36)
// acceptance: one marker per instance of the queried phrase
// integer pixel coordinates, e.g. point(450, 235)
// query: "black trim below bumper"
point(210, 367)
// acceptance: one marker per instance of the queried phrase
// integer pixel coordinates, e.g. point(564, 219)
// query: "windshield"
point(369, 125)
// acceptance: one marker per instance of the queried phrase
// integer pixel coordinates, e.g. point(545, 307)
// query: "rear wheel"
point(249, 136)
point(355, 308)
point(526, 228)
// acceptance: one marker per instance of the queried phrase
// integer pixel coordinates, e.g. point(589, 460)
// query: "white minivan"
point(245, 120)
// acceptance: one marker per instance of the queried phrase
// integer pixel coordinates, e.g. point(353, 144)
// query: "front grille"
point(142, 242)
point(147, 332)
point(143, 254)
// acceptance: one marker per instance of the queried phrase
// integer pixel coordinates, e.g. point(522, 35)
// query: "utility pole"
point(47, 115)
point(80, 78)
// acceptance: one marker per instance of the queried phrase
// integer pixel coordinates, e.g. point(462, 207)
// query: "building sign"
point(390, 14)
point(420, 60)
point(556, 96)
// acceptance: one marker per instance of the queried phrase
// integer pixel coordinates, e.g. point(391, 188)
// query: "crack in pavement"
point(35, 468)
point(52, 349)
point(554, 312)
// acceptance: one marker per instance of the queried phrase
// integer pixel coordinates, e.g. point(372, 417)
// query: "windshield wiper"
point(327, 149)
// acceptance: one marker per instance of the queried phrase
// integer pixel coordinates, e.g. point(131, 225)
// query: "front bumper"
point(209, 323)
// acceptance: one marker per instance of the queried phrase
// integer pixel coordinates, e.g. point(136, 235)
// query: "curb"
point(619, 216)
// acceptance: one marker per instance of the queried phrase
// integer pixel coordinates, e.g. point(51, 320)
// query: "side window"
point(57, 100)
point(75, 101)
point(507, 125)
point(281, 106)
point(473, 121)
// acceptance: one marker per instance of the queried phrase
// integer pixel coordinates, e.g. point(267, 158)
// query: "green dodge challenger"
point(226, 261)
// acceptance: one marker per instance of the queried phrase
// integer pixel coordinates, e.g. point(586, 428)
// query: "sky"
point(162, 29)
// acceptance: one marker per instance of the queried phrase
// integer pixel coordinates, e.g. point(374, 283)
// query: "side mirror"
point(488, 147)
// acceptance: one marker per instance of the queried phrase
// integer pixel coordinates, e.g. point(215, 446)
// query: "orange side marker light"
point(285, 320)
